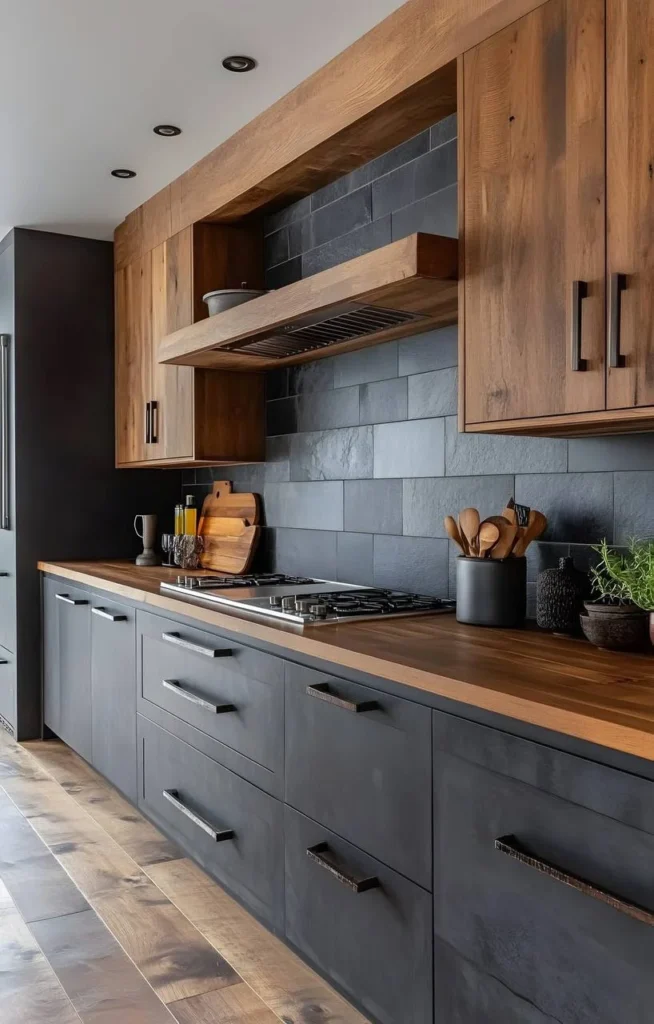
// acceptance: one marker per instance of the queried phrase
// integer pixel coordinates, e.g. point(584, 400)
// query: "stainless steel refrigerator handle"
point(4, 442)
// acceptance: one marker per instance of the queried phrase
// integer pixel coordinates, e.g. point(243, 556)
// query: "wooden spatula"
point(510, 516)
point(504, 546)
point(537, 526)
point(452, 531)
point(489, 535)
point(469, 528)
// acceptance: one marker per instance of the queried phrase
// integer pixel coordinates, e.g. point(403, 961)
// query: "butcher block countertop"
point(565, 685)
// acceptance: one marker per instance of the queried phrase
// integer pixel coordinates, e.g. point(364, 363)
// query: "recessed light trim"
point(123, 172)
point(167, 130)
point(239, 64)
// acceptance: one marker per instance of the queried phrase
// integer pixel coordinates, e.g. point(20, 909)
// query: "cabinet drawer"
point(366, 773)
point(375, 944)
point(7, 691)
point(236, 699)
point(533, 919)
point(113, 692)
point(231, 828)
point(7, 597)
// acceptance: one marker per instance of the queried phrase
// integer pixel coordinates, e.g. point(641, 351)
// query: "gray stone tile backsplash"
point(364, 457)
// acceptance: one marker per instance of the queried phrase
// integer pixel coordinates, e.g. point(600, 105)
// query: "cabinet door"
point(113, 694)
point(51, 668)
point(172, 386)
point(533, 208)
point(7, 691)
point(630, 209)
point(133, 285)
point(74, 642)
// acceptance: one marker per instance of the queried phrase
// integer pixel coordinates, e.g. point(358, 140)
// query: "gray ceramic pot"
point(616, 627)
point(491, 591)
point(226, 298)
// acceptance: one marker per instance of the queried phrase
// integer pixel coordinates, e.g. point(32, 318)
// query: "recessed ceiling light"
point(167, 130)
point(123, 172)
point(239, 63)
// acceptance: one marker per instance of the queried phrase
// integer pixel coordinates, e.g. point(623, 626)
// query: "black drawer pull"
point(323, 692)
point(511, 846)
point(218, 836)
point(176, 687)
point(67, 599)
point(579, 293)
point(617, 285)
point(3, 661)
point(316, 854)
point(188, 645)
point(3, 573)
point(102, 613)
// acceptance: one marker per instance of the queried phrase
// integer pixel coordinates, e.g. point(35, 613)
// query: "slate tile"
point(354, 558)
point(347, 247)
point(264, 559)
point(366, 364)
point(435, 171)
point(352, 211)
point(277, 466)
point(283, 274)
point(309, 377)
point(298, 235)
point(306, 506)
point(443, 131)
point(410, 448)
point(276, 248)
point(383, 401)
point(428, 501)
point(277, 384)
point(281, 218)
point(415, 564)
point(344, 454)
point(321, 410)
point(188, 477)
point(306, 553)
point(342, 187)
point(281, 416)
point(245, 478)
point(373, 506)
point(394, 190)
point(585, 557)
point(433, 393)
point(634, 506)
point(434, 350)
point(401, 154)
point(436, 214)
point(621, 453)
point(544, 556)
point(486, 454)
point(204, 475)
point(578, 506)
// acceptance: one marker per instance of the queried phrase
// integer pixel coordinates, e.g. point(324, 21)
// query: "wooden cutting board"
point(229, 528)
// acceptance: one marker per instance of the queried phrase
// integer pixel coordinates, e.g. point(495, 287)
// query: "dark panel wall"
point(364, 457)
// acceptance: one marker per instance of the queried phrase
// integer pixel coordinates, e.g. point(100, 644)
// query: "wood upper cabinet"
point(178, 415)
point(532, 204)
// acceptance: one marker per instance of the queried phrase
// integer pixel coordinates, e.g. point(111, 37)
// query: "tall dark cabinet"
point(61, 495)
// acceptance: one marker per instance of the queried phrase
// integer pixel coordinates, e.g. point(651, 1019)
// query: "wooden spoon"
point(504, 546)
point(537, 526)
point(469, 528)
point(489, 535)
point(452, 531)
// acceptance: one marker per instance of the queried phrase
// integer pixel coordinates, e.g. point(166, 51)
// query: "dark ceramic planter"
point(616, 627)
point(491, 591)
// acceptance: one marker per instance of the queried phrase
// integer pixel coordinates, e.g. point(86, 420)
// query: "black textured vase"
point(560, 595)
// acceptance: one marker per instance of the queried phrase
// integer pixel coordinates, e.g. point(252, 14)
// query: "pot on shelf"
point(226, 298)
point(622, 627)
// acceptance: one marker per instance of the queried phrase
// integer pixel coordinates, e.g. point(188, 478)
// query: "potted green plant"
point(623, 583)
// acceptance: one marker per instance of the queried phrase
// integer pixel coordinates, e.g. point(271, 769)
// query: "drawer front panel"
point(113, 692)
point(7, 603)
point(203, 797)
point(374, 944)
point(7, 691)
point(364, 774)
point(535, 919)
point(238, 700)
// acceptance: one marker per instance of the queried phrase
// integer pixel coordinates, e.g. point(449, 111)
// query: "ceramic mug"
point(148, 534)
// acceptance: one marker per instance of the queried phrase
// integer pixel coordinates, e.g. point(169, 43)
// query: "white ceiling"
point(83, 82)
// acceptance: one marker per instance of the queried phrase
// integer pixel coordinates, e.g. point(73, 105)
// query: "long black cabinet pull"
point(218, 836)
point(188, 645)
point(67, 599)
point(4, 573)
point(176, 687)
point(102, 613)
point(154, 422)
point(3, 661)
point(4, 432)
point(511, 846)
point(317, 854)
point(323, 691)
point(617, 286)
point(579, 293)
point(148, 422)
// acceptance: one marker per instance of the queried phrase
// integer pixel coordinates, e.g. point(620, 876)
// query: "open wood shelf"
point(407, 287)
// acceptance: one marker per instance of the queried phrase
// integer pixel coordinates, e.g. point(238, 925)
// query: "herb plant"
point(625, 577)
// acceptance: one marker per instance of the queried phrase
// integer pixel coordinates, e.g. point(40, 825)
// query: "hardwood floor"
point(104, 921)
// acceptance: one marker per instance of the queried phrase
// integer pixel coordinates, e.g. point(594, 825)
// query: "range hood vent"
point(306, 334)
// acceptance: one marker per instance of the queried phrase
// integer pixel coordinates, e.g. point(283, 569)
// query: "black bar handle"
point(218, 835)
point(617, 286)
point(154, 422)
point(579, 293)
point(323, 691)
point(67, 599)
point(175, 687)
point(148, 422)
point(104, 614)
point(188, 645)
point(317, 855)
point(510, 846)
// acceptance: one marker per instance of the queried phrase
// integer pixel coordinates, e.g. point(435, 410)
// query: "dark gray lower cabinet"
point(67, 659)
point(7, 689)
point(113, 693)
point(232, 828)
point(520, 939)
point(376, 943)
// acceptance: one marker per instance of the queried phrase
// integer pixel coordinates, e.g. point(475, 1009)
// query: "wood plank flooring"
point(104, 921)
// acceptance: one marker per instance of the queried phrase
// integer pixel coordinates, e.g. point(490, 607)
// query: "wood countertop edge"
point(591, 726)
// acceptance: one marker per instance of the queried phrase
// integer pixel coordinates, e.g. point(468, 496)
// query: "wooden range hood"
point(404, 288)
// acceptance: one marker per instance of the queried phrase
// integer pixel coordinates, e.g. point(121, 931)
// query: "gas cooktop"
point(301, 600)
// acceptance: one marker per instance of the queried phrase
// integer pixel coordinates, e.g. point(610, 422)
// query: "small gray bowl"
point(226, 298)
